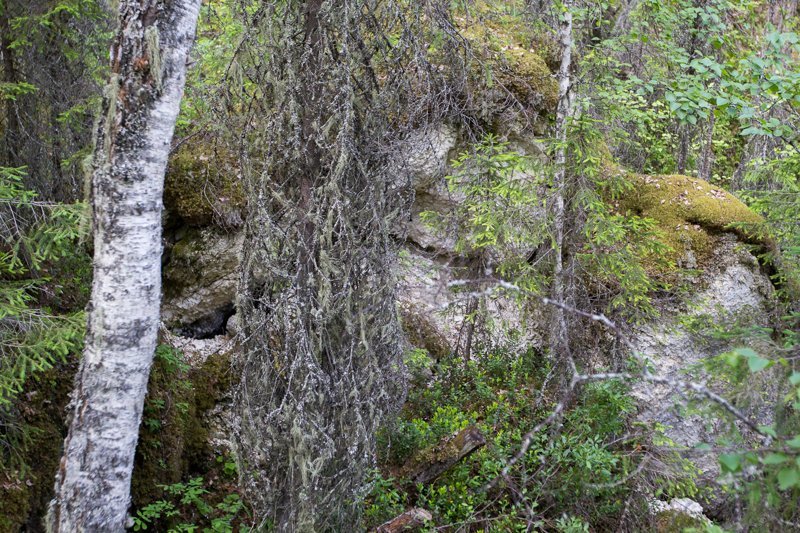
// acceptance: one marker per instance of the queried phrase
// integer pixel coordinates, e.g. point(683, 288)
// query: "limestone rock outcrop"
point(732, 288)
point(200, 280)
point(441, 288)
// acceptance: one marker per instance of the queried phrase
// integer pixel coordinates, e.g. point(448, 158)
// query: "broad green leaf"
point(757, 364)
point(788, 478)
point(732, 359)
point(730, 462)
point(795, 442)
point(752, 130)
point(768, 430)
point(775, 459)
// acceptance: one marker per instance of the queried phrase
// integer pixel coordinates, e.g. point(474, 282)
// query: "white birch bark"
point(148, 63)
point(563, 113)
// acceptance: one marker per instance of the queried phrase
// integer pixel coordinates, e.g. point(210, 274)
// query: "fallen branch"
point(433, 462)
point(411, 519)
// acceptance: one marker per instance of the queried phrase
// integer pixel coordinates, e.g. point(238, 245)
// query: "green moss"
point(422, 333)
point(202, 185)
point(173, 439)
point(677, 522)
point(506, 17)
point(33, 439)
point(529, 77)
point(14, 502)
point(508, 61)
point(184, 268)
point(691, 214)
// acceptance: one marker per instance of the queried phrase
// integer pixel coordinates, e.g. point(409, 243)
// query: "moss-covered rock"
point(174, 437)
point(509, 73)
point(675, 521)
point(201, 275)
point(203, 185)
point(691, 214)
point(422, 333)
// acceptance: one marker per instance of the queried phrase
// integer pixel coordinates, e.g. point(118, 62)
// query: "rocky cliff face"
point(200, 281)
point(731, 289)
point(724, 283)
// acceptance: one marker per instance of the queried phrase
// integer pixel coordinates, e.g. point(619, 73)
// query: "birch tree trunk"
point(563, 114)
point(141, 104)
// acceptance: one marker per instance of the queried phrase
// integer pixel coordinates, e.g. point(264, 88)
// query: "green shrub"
point(582, 467)
point(186, 508)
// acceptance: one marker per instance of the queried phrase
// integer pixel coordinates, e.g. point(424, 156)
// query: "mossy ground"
point(585, 471)
point(174, 439)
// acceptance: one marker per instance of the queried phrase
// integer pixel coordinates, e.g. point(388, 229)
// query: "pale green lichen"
point(154, 52)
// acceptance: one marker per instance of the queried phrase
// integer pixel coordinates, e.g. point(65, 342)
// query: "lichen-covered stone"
point(732, 288)
point(437, 312)
point(678, 515)
point(201, 276)
point(427, 156)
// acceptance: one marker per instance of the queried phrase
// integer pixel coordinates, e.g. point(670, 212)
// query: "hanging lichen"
point(323, 365)
point(345, 86)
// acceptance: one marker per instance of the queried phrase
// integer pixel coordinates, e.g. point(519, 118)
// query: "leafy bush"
point(385, 500)
point(585, 467)
point(187, 510)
